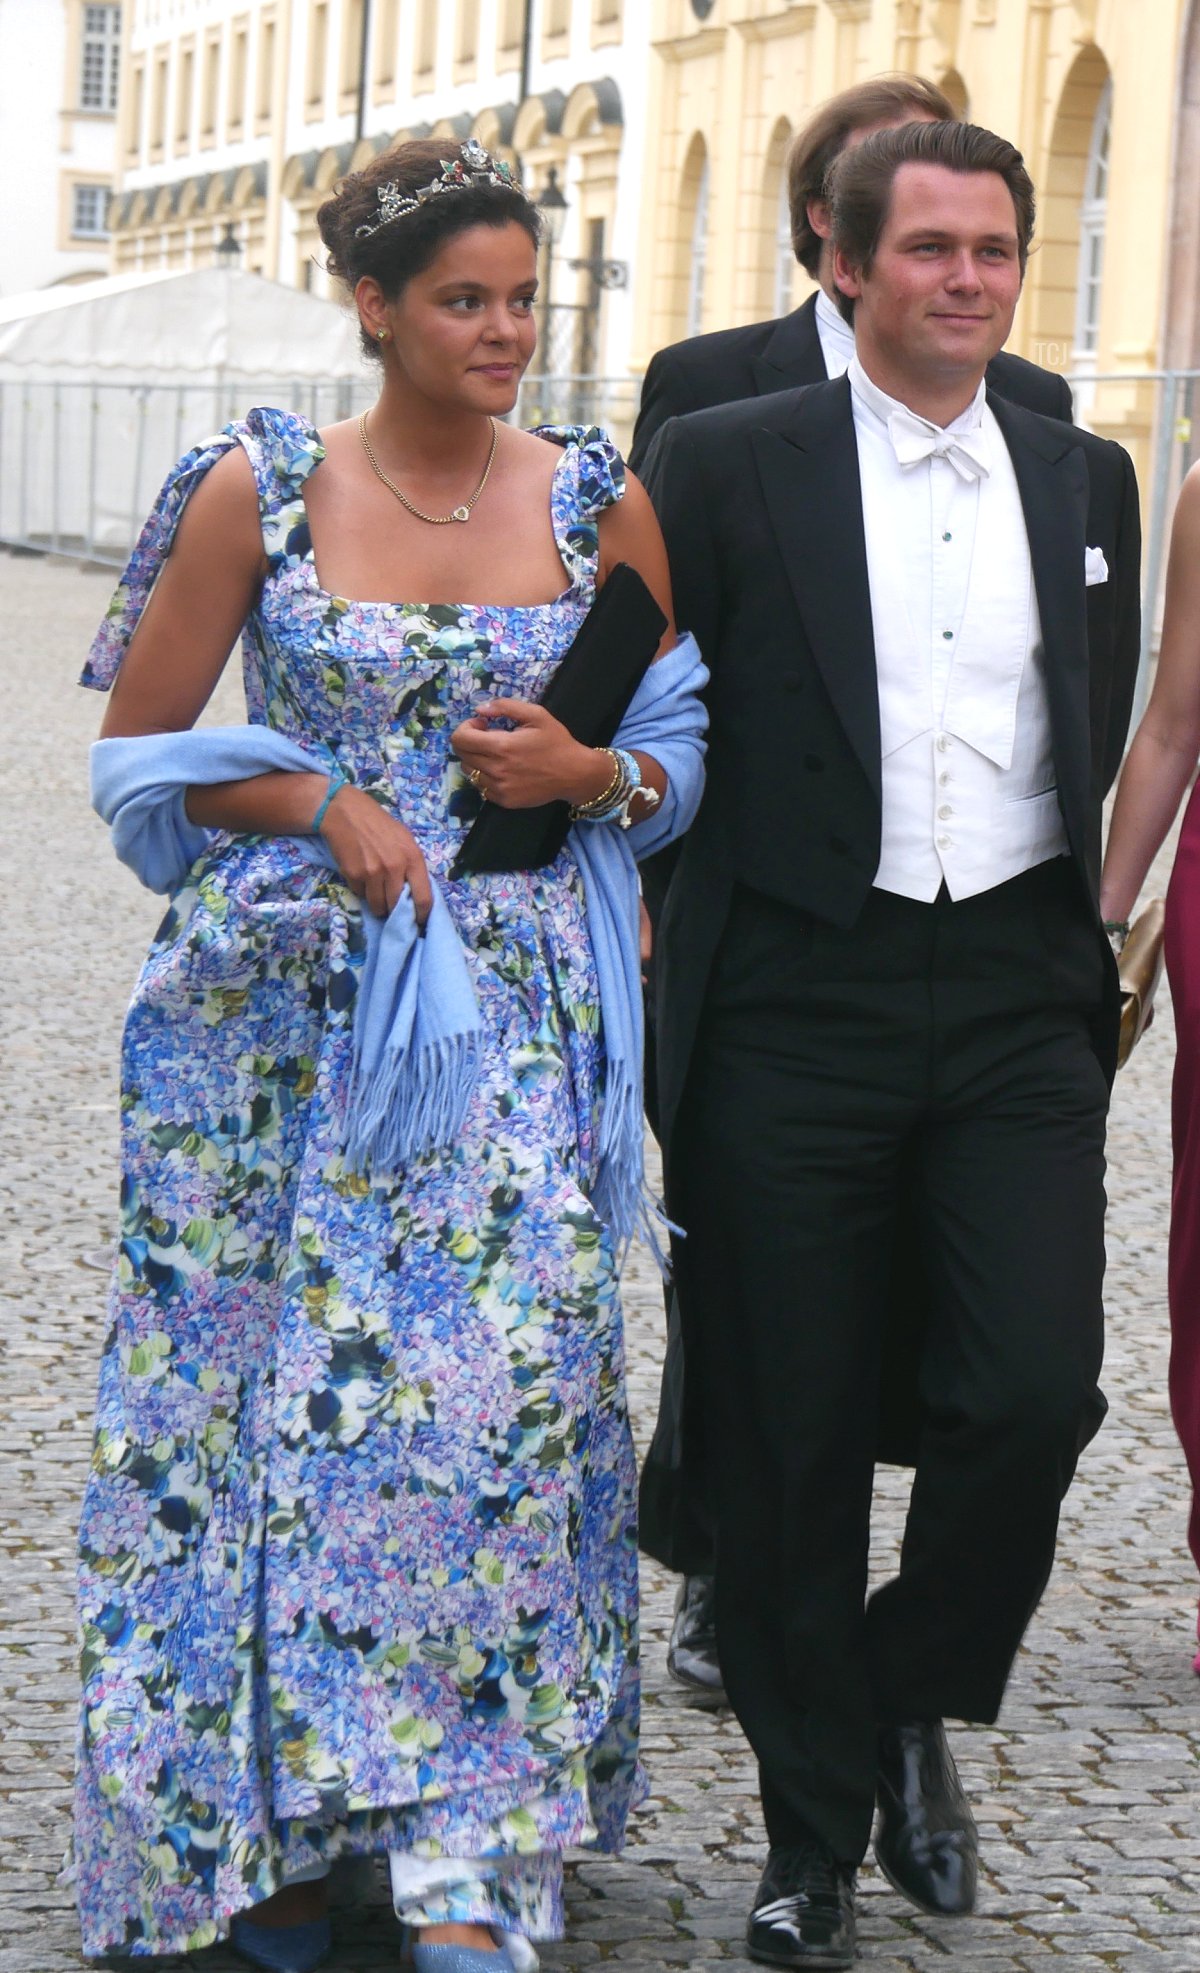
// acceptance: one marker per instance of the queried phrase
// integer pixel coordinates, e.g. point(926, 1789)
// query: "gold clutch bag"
point(1139, 970)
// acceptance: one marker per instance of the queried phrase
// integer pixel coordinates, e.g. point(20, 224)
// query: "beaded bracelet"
point(337, 781)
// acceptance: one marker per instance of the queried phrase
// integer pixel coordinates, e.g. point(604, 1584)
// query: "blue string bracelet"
point(337, 781)
point(634, 786)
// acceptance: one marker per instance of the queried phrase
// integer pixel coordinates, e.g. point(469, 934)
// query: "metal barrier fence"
point(610, 402)
point(81, 463)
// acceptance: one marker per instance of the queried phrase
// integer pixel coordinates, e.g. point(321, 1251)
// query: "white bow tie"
point(913, 440)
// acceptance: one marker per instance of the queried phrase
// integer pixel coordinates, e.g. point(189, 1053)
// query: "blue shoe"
point(459, 1959)
point(282, 1948)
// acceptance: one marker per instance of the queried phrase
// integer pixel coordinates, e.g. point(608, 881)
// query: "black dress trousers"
point(935, 1060)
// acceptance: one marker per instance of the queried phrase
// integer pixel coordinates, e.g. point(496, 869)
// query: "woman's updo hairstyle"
point(392, 253)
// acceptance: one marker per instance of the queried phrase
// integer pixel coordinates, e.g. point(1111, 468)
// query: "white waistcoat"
point(969, 796)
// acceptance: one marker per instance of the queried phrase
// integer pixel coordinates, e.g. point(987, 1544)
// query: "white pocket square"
point(1095, 568)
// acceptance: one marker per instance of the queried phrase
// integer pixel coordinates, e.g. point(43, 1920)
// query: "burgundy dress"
point(1182, 946)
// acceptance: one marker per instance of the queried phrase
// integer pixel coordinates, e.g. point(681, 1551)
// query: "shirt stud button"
point(947, 634)
point(947, 536)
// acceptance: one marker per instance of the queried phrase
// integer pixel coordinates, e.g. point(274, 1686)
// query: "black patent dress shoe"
point(692, 1652)
point(926, 1843)
point(804, 1912)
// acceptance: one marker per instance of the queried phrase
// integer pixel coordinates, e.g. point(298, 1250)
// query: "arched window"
point(1093, 214)
point(952, 85)
point(1065, 276)
point(785, 253)
point(699, 254)
point(774, 258)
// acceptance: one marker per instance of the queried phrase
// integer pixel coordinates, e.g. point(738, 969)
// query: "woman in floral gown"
point(358, 1567)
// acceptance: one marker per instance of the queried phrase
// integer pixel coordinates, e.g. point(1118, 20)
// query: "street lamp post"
point(602, 271)
point(364, 56)
point(605, 273)
point(552, 205)
point(227, 250)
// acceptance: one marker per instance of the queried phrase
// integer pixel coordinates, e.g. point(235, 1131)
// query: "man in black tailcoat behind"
point(885, 997)
point(804, 347)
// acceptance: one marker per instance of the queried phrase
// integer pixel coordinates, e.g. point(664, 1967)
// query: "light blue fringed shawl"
point(417, 1030)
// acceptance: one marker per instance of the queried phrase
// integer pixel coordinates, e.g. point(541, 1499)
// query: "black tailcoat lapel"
point(813, 495)
point(792, 355)
point(1052, 479)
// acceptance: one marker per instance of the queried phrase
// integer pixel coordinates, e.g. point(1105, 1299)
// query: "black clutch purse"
point(590, 693)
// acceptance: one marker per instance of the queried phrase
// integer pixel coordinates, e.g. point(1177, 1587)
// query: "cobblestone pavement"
point(1087, 1790)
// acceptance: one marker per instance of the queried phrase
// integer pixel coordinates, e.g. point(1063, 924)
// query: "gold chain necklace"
point(462, 513)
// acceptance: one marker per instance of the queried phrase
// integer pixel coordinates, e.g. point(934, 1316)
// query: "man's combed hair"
point(884, 99)
point(859, 186)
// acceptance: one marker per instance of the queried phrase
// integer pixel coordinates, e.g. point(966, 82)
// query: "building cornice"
point(195, 194)
point(773, 27)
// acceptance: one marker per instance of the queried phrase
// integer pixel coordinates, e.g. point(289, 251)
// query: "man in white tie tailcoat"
point(884, 987)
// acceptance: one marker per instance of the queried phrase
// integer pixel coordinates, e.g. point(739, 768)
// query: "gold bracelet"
point(600, 804)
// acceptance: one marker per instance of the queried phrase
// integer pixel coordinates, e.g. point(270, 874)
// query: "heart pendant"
point(461, 514)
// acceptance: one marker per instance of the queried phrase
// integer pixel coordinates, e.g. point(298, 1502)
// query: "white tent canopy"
point(175, 327)
point(103, 385)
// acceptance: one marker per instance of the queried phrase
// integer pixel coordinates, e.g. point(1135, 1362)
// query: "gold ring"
point(473, 776)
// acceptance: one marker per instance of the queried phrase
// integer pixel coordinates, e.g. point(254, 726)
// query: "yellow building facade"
point(1086, 88)
point(667, 123)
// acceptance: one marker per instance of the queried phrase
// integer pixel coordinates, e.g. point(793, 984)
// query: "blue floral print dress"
point(358, 1557)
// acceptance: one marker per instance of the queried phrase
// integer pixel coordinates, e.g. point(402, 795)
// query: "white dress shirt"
point(969, 796)
point(836, 336)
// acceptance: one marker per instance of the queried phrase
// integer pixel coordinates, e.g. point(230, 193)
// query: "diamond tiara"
point(473, 166)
